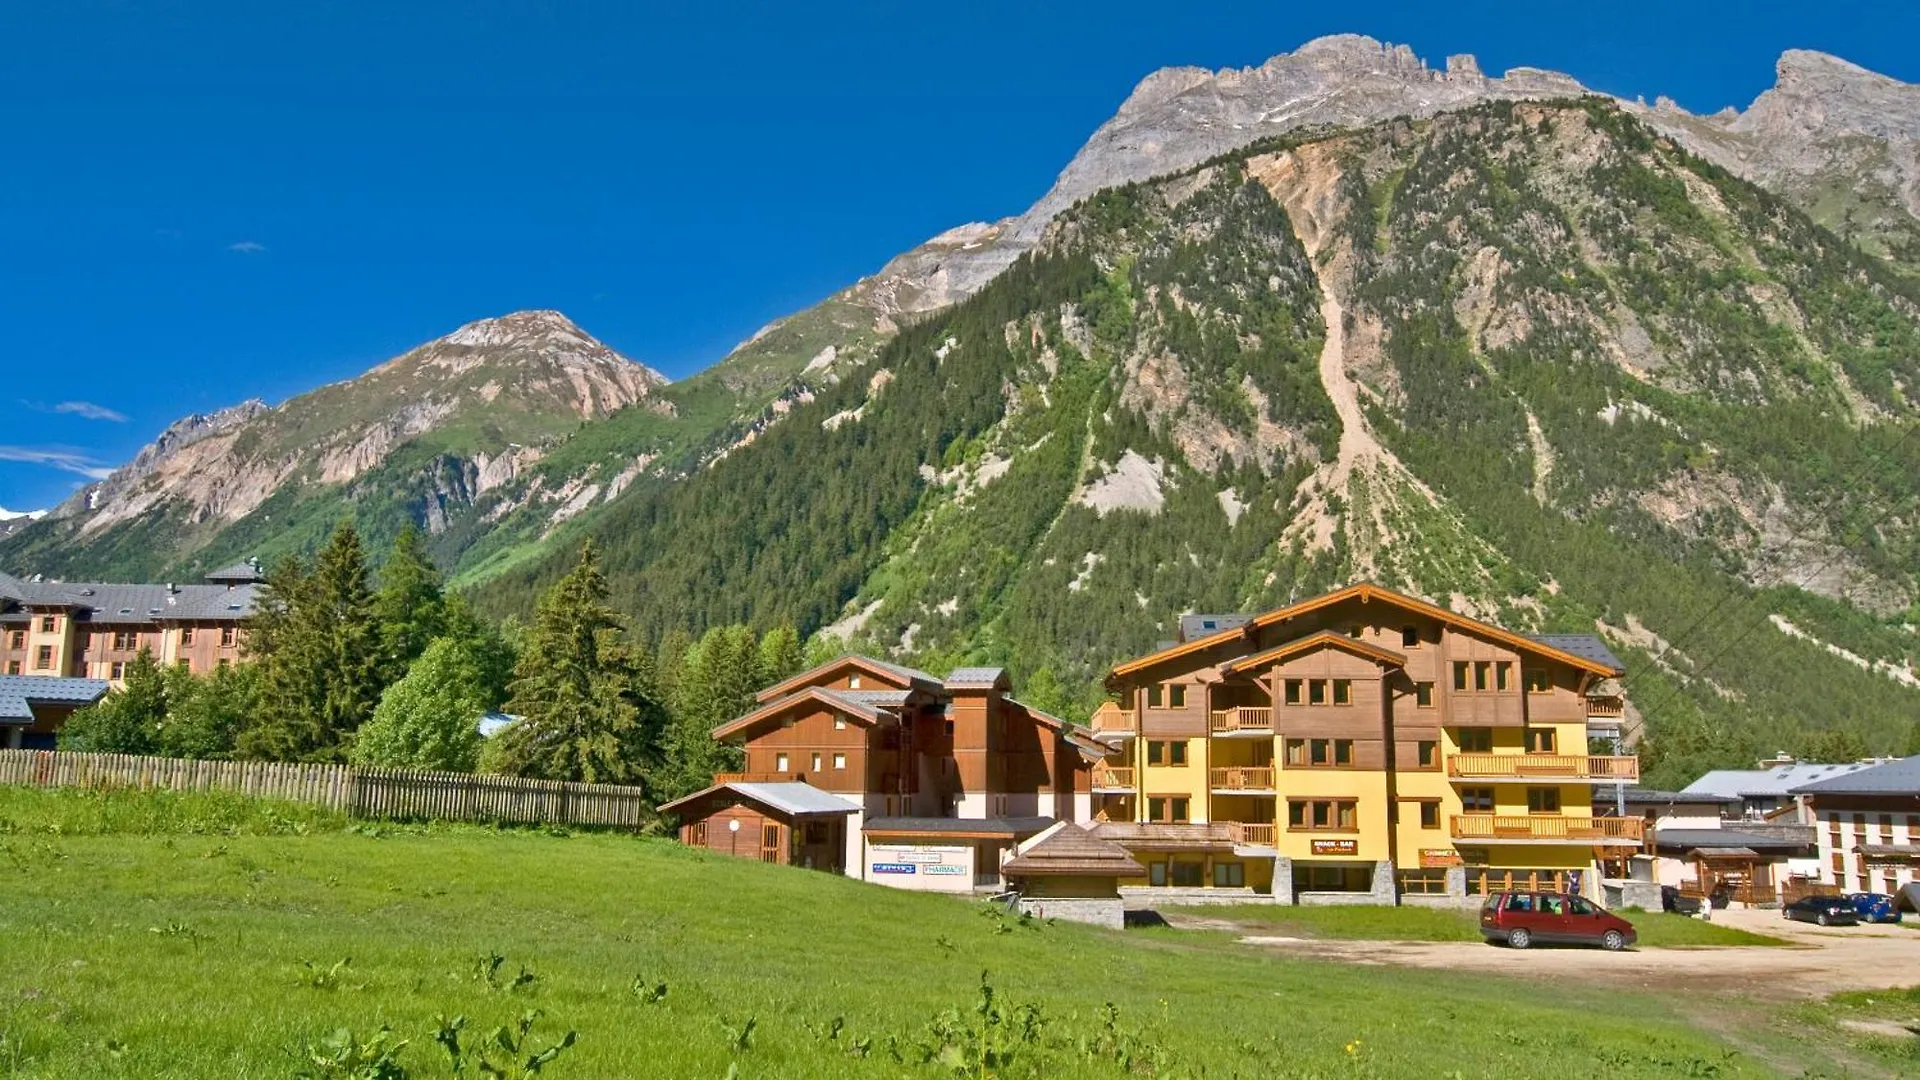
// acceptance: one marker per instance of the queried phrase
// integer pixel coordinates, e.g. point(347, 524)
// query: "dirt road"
point(1820, 962)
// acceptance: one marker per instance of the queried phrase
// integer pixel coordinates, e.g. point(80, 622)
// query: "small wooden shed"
point(1067, 872)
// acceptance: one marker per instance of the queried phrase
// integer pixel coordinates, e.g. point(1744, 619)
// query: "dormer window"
point(853, 682)
point(1409, 637)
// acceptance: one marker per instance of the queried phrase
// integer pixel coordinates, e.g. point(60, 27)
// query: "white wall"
point(921, 867)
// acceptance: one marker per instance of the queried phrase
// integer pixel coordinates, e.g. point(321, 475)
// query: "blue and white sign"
point(894, 868)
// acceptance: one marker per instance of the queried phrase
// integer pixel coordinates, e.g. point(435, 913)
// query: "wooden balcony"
point(1254, 720)
point(1113, 778)
point(1547, 828)
point(1257, 779)
point(789, 777)
point(1544, 767)
point(1111, 721)
point(1252, 834)
point(1610, 707)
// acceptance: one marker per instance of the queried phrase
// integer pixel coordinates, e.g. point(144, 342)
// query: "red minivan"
point(1521, 918)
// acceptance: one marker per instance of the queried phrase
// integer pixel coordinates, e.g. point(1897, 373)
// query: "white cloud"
point(63, 458)
point(87, 410)
point(247, 247)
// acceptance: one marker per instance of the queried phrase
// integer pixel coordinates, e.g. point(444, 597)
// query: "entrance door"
point(770, 843)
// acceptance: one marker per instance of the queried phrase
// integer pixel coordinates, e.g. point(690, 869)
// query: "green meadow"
point(167, 936)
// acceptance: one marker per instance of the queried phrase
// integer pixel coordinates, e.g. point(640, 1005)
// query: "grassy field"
point(1656, 929)
point(206, 937)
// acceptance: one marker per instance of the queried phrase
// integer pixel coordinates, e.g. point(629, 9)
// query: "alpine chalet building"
point(1361, 746)
point(93, 630)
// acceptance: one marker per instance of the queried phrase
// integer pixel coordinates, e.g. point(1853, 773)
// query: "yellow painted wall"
point(1367, 787)
point(58, 638)
point(1189, 780)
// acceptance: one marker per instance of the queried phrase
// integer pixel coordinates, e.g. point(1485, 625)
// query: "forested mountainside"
point(1532, 359)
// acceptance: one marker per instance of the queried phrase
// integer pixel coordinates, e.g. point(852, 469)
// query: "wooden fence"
point(366, 793)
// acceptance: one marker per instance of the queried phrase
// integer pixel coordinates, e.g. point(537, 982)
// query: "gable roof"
point(913, 678)
point(1366, 593)
point(1081, 738)
point(19, 693)
point(1197, 626)
point(1589, 646)
point(245, 571)
point(793, 798)
point(107, 603)
point(977, 677)
point(857, 704)
point(1325, 639)
point(1067, 848)
point(1898, 777)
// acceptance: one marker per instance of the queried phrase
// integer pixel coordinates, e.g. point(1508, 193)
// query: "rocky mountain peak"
point(520, 327)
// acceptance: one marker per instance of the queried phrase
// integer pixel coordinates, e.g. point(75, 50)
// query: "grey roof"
point(1584, 646)
point(1688, 839)
point(103, 602)
point(1649, 797)
point(247, 570)
point(793, 797)
point(1781, 780)
point(871, 697)
point(976, 676)
point(911, 674)
point(1889, 850)
point(12, 588)
point(1193, 627)
point(19, 692)
point(1897, 777)
point(1005, 826)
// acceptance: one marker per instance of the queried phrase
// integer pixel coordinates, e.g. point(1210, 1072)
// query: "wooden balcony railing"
point(1112, 778)
point(1241, 779)
point(1606, 708)
point(1563, 766)
point(1545, 827)
point(791, 776)
point(1253, 834)
point(1110, 719)
point(1250, 718)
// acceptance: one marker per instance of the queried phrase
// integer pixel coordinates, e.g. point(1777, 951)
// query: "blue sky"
point(203, 202)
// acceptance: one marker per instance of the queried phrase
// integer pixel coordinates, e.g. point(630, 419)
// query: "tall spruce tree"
point(718, 678)
point(319, 647)
point(780, 654)
point(588, 705)
point(411, 605)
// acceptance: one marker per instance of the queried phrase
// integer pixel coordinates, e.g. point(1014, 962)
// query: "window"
point(1343, 691)
point(1502, 676)
point(1428, 754)
point(1538, 681)
point(1316, 691)
point(1229, 875)
point(779, 763)
point(816, 762)
point(839, 723)
point(1460, 674)
point(1409, 637)
point(1476, 740)
point(1423, 695)
point(1177, 753)
point(1481, 669)
point(13, 667)
point(1429, 815)
point(770, 843)
point(46, 624)
point(43, 658)
point(186, 635)
point(117, 670)
point(1540, 740)
point(1176, 696)
point(226, 637)
point(1156, 697)
point(1167, 809)
point(697, 834)
point(1296, 752)
point(1157, 873)
point(1477, 800)
point(1321, 752)
point(839, 761)
point(1188, 874)
point(1543, 800)
point(1323, 815)
point(1579, 905)
point(1292, 692)
point(124, 639)
point(18, 639)
point(1520, 902)
point(853, 682)
point(1343, 753)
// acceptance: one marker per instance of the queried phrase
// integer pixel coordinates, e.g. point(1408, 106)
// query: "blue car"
point(1874, 907)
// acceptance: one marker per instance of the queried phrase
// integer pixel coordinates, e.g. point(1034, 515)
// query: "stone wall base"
point(1109, 912)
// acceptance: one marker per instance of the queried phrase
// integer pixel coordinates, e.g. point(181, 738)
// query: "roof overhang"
point(748, 793)
point(896, 678)
point(863, 713)
point(1325, 639)
point(1365, 593)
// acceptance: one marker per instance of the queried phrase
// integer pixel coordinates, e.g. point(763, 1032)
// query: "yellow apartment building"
point(1362, 746)
point(93, 630)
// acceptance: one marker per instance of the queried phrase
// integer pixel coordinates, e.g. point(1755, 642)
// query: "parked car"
point(1672, 901)
point(1519, 919)
point(1874, 907)
point(1824, 910)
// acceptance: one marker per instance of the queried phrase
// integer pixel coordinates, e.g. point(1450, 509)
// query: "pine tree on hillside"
point(318, 644)
point(127, 720)
point(718, 678)
point(589, 710)
point(780, 655)
point(492, 651)
point(411, 605)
